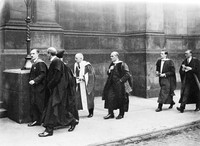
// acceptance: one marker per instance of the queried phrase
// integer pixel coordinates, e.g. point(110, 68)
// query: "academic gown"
point(189, 88)
point(56, 113)
point(38, 73)
point(168, 83)
point(114, 92)
point(85, 88)
point(71, 92)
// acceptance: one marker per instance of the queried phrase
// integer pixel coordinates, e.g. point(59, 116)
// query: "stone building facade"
point(138, 31)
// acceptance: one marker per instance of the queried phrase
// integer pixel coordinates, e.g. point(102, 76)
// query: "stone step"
point(3, 113)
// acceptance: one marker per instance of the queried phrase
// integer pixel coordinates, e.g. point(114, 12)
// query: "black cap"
point(60, 53)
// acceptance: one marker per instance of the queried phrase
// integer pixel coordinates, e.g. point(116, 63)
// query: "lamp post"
point(27, 64)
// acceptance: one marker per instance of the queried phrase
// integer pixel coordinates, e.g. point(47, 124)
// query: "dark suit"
point(38, 73)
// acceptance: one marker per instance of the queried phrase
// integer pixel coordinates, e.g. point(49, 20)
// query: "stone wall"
point(138, 31)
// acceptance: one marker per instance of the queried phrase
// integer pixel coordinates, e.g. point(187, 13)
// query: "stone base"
point(15, 93)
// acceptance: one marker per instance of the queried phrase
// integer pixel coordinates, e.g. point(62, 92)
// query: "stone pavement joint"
point(153, 135)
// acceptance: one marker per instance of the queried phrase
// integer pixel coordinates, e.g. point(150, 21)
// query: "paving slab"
point(139, 121)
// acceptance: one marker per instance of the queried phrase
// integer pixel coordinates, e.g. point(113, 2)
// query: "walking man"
point(56, 113)
point(71, 87)
point(85, 79)
point(38, 75)
point(190, 75)
point(165, 70)
point(114, 92)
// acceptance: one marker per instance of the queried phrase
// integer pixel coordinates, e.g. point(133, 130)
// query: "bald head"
point(79, 57)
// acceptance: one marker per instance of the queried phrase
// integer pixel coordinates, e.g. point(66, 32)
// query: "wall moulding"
point(20, 25)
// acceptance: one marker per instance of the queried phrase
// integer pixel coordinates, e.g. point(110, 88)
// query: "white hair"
point(115, 53)
point(52, 50)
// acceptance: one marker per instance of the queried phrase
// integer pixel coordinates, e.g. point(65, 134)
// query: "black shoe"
point(35, 123)
point(45, 134)
point(119, 117)
point(73, 125)
point(171, 105)
point(90, 115)
point(180, 109)
point(197, 109)
point(158, 110)
point(109, 116)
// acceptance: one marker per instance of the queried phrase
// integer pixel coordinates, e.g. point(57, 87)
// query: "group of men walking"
point(54, 90)
point(190, 86)
point(57, 93)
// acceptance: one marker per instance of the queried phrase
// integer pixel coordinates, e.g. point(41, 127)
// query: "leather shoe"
point(73, 125)
point(171, 105)
point(180, 109)
point(109, 116)
point(35, 123)
point(45, 134)
point(90, 115)
point(158, 110)
point(72, 128)
point(119, 117)
point(197, 109)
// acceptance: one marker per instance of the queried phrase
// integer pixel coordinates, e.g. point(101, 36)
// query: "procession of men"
point(58, 93)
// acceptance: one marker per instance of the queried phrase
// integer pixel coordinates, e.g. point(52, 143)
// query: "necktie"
point(78, 65)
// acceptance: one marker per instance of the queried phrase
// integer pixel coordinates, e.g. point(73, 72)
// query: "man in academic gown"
point(165, 70)
point(114, 93)
point(56, 113)
point(190, 87)
point(71, 86)
point(85, 79)
point(38, 75)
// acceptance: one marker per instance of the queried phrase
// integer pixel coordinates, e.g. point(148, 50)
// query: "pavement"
point(140, 121)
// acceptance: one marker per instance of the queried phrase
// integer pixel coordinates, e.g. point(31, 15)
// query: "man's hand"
point(163, 75)
point(31, 82)
point(183, 67)
point(157, 74)
point(187, 68)
point(111, 68)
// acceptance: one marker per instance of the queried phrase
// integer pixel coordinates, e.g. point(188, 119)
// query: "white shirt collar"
point(35, 60)
point(52, 58)
point(117, 61)
point(189, 59)
point(165, 59)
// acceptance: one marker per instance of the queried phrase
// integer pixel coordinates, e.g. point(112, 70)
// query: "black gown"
point(38, 73)
point(114, 92)
point(56, 113)
point(189, 88)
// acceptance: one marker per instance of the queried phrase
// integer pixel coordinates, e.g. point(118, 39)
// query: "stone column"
point(155, 41)
point(134, 44)
point(46, 29)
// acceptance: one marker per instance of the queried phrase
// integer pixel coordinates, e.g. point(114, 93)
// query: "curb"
point(152, 135)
